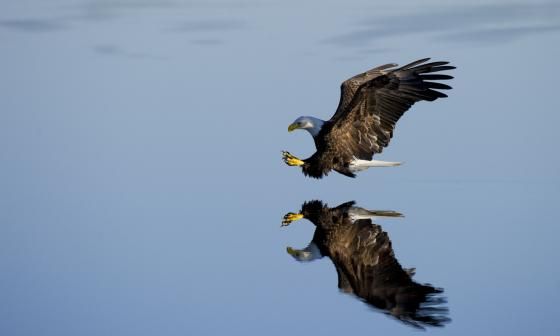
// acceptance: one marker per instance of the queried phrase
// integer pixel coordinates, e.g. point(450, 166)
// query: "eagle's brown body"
point(370, 105)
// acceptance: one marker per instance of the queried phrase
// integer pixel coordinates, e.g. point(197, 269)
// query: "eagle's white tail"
point(361, 213)
point(359, 165)
point(377, 163)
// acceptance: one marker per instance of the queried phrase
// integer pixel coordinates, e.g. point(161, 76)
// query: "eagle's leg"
point(291, 160)
point(290, 217)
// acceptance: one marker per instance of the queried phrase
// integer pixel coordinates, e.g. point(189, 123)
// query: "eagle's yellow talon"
point(291, 160)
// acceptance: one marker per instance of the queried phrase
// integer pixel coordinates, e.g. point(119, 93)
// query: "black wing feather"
point(378, 105)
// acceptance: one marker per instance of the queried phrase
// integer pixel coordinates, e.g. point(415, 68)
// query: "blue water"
point(142, 187)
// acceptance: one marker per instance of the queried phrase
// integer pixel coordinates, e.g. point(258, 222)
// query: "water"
point(142, 187)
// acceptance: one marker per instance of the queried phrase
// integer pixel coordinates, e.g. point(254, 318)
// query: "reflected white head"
point(310, 253)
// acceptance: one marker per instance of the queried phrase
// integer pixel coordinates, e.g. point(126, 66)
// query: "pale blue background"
point(141, 185)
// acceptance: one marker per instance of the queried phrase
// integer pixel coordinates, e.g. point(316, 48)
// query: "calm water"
point(142, 187)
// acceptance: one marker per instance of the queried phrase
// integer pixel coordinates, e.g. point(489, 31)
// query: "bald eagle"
point(366, 264)
point(370, 105)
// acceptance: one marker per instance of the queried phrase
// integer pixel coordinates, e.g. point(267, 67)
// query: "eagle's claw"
point(291, 160)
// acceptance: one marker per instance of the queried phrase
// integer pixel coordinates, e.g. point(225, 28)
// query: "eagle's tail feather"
point(361, 213)
point(358, 165)
point(378, 163)
point(385, 213)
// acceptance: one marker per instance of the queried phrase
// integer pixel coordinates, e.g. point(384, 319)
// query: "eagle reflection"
point(366, 264)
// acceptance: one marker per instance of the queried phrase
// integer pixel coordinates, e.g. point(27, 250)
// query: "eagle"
point(370, 105)
point(366, 264)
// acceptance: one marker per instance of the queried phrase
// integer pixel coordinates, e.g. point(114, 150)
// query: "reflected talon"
point(290, 217)
point(291, 160)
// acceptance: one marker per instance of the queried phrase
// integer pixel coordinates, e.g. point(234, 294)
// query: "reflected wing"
point(366, 257)
point(372, 103)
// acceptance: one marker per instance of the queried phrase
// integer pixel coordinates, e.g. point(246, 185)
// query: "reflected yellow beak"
point(292, 127)
point(291, 251)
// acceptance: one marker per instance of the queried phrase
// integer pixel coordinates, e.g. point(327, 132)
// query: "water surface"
point(142, 187)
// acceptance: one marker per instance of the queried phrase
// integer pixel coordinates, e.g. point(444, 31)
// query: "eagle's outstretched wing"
point(349, 87)
point(371, 103)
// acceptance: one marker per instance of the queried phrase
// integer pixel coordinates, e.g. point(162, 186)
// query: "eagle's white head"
point(311, 124)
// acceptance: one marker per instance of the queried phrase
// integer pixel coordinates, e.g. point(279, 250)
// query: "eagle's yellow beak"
point(292, 127)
